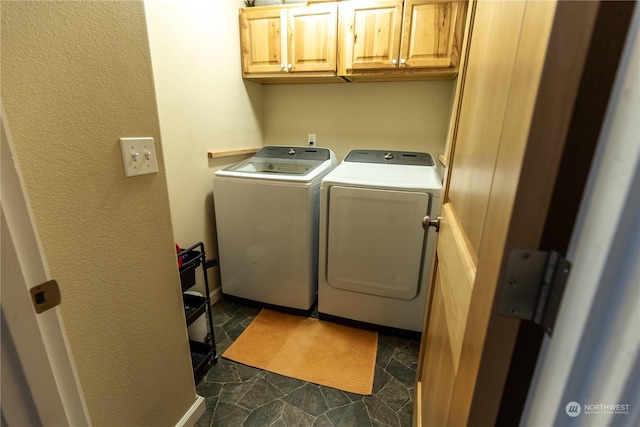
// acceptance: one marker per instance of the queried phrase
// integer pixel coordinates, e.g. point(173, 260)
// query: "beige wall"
point(203, 104)
point(76, 76)
point(410, 116)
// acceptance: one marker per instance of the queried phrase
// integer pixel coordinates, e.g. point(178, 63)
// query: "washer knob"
point(388, 156)
point(292, 151)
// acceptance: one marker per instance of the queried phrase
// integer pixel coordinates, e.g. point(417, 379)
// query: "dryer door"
point(375, 241)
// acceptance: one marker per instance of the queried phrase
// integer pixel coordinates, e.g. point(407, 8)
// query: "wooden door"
point(263, 40)
point(370, 34)
point(312, 35)
point(513, 106)
point(429, 33)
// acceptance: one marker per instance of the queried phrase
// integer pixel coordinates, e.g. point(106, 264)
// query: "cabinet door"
point(312, 33)
point(370, 34)
point(428, 34)
point(263, 40)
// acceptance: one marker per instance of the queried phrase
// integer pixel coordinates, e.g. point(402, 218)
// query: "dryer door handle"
point(428, 222)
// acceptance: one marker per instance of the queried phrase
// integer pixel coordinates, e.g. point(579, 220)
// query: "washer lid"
point(283, 163)
point(274, 166)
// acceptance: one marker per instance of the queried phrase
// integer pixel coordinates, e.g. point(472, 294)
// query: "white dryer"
point(375, 257)
point(267, 213)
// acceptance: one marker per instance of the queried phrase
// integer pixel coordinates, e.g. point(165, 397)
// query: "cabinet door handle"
point(394, 61)
point(289, 66)
point(403, 61)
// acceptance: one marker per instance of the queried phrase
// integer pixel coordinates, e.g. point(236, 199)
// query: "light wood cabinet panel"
point(396, 40)
point(313, 33)
point(261, 40)
point(370, 34)
point(428, 34)
point(287, 43)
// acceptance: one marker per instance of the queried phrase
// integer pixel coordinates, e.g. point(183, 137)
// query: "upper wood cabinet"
point(283, 43)
point(389, 40)
point(355, 40)
point(429, 34)
point(369, 35)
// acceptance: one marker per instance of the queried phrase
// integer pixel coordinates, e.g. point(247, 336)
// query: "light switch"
point(138, 156)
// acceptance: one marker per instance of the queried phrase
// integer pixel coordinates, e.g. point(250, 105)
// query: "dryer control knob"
point(292, 151)
point(388, 156)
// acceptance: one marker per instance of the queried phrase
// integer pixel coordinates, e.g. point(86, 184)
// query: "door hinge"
point(45, 296)
point(533, 286)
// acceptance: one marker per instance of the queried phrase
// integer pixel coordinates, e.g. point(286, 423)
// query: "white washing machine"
point(375, 257)
point(267, 213)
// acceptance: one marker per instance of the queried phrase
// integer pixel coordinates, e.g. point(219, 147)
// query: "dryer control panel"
point(390, 157)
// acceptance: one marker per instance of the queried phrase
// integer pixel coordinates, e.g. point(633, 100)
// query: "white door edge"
point(40, 340)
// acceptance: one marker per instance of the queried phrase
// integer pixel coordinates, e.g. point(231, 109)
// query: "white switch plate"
point(138, 156)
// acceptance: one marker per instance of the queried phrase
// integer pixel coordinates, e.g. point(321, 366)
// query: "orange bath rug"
point(308, 349)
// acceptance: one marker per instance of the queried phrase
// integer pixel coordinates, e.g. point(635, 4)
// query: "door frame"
point(598, 318)
point(565, 79)
point(478, 399)
point(546, 136)
point(588, 114)
point(42, 374)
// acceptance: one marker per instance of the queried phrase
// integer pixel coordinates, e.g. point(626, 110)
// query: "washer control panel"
point(390, 157)
point(291, 152)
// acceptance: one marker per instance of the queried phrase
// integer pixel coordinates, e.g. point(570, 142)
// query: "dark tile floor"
point(239, 395)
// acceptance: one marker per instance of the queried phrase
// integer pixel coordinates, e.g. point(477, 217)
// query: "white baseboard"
point(194, 413)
